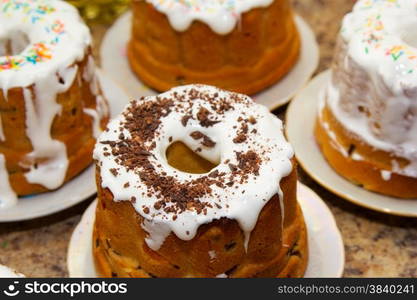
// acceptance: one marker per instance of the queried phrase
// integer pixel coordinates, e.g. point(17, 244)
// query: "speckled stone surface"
point(376, 244)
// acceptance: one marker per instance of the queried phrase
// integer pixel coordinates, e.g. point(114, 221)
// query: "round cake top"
point(381, 37)
point(243, 137)
point(221, 15)
point(48, 36)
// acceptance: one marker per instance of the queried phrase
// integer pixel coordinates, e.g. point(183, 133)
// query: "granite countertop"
point(376, 244)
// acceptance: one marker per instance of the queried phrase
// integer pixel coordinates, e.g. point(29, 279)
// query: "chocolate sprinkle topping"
point(114, 172)
point(133, 151)
point(203, 117)
point(184, 120)
point(208, 142)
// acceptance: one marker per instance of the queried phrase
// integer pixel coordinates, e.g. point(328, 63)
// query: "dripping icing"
point(102, 108)
point(57, 39)
point(376, 39)
point(242, 202)
point(41, 109)
point(221, 16)
point(386, 175)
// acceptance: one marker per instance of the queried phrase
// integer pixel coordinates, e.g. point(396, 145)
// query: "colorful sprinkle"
point(376, 34)
point(35, 11)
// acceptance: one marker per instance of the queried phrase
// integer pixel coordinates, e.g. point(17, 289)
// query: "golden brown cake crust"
point(72, 126)
point(366, 171)
point(255, 55)
point(120, 250)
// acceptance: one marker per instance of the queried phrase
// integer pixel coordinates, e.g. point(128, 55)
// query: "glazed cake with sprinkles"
point(179, 177)
point(51, 105)
point(368, 117)
point(240, 45)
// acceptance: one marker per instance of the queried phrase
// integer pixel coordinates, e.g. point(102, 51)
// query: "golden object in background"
point(100, 11)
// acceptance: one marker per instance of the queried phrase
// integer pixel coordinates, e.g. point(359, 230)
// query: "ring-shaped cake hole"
point(409, 36)
point(182, 158)
point(14, 43)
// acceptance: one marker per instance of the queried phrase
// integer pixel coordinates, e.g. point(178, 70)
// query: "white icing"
point(386, 175)
point(47, 38)
point(358, 124)
point(212, 254)
point(333, 139)
point(356, 156)
point(380, 41)
point(64, 46)
point(101, 110)
point(222, 276)
point(7, 196)
point(158, 232)
point(90, 73)
point(222, 16)
point(241, 202)
point(41, 109)
point(96, 121)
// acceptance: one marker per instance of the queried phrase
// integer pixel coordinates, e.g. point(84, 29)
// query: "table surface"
point(376, 244)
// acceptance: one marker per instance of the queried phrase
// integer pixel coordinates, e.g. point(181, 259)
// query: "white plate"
point(80, 187)
point(114, 61)
point(326, 251)
point(300, 121)
point(6, 272)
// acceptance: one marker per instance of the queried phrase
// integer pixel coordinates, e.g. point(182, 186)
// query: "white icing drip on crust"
point(7, 196)
point(335, 144)
point(222, 16)
point(358, 124)
point(102, 108)
point(157, 233)
point(41, 109)
point(240, 202)
point(386, 175)
point(379, 41)
point(57, 40)
point(356, 156)
point(96, 121)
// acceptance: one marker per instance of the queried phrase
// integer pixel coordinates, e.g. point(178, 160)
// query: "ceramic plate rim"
point(348, 195)
point(6, 272)
point(309, 56)
point(79, 243)
point(52, 206)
